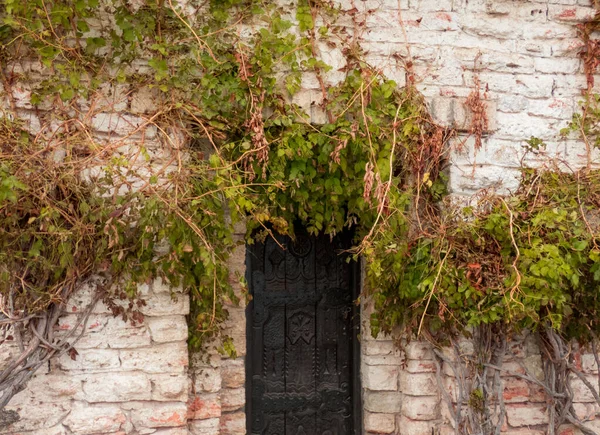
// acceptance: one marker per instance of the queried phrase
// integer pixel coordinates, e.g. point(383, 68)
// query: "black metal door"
point(302, 348)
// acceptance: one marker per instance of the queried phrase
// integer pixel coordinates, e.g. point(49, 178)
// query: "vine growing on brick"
point(222, 143)
point(79, 207)
point(539, 249)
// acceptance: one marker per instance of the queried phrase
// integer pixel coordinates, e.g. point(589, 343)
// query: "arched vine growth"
point(134, 135)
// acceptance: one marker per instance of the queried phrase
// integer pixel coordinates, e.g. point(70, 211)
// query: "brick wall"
point(124, 379)
point(525, 56)
point(136, 380)
point(218, 394)
point(404, 395)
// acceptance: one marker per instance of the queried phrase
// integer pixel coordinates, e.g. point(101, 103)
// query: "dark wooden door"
point(302, 347)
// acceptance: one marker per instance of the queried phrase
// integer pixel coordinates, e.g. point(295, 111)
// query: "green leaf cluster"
point(376, 164)
point(530, 260)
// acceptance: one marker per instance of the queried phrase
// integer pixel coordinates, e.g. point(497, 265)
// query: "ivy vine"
point(355, 170)
point(223, 76)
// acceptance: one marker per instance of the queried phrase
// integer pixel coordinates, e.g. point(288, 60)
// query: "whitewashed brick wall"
point(136, 380)
point(402, 394)
point(125, 379)
point(218, 394)
point(525, 55)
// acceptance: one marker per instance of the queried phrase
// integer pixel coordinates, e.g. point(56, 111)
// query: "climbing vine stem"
point(137, 135)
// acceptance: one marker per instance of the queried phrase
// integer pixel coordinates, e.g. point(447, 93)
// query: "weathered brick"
point(593, 426)
point(118, 387)
point(497, 27)
point(472, 178)
point(511, 125)
point(46, 416)
point(161, 286)
point(385, 402)
point(421, 408)
point(51, 387)
point(235, 327)
point(91, 361)
point(372, 347)
point(122, 125)
point(526, 432)
point(209, 426)
point(588, 363)
point(526, 415)
point(160, 358)
point(418, 350)
point(233, 424)
point(166, 304)
point(208, 379)
point(380, 423)
point(418, 384)
point(581, 393)
point(416, 366)
point(56, 430)
point(586, 411)
point(21, 96)
point(452, 388)
point(570, 13)
point(416, 427)
point(505, 63)
point(555, 65)
point(233, 373)
point(531, 86)
point(167, 329)
point(95, 323)
point(82, 298)
point(31, 122)
point(169, 387)
point(447, 430)
point(492, 151)
point(104, 331)
point(144, 101)
point(378, 378)
point(427, 5)
point(515, 390)
point(232, 399)
point(395, 359)
point(533, 366)
point(559, 108)
point(156, 414)
point(204, 406)
point(109, 97)
point(237, 261)
point(101, 418)
point(173, 431)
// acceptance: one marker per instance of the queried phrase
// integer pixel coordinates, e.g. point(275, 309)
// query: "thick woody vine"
point(222, 142)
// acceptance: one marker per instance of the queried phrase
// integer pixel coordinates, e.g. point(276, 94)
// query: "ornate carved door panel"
point(302, 349)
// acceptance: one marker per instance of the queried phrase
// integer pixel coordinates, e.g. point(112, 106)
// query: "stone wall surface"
point(218, 394)
point(129, 379)
point(524, 54)
point(123, 379)
point(403, 393)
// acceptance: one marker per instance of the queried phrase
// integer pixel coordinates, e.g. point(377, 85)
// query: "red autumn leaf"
point(73, 354)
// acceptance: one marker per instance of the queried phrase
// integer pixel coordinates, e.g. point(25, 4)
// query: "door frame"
point(356, 387)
